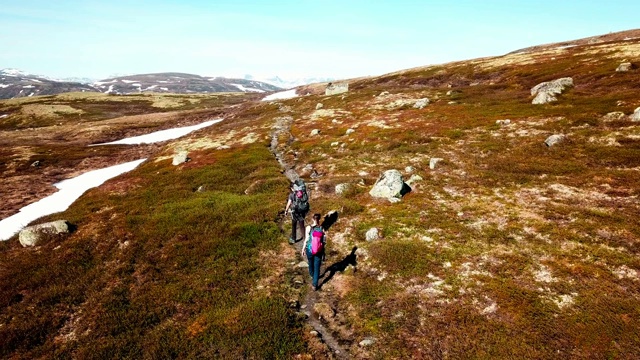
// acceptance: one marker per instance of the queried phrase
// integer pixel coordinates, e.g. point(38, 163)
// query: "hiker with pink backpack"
point(313, 248)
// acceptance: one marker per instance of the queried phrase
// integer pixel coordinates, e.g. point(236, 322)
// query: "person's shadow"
point(340, 266)
point(329, 220)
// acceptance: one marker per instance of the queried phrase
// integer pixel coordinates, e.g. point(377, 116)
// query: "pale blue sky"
point(339, 39)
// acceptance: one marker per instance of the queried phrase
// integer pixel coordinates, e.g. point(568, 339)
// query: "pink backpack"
point(317, 240)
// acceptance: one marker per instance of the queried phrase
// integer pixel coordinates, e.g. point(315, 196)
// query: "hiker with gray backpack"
point(298, 204)
point(313, 248)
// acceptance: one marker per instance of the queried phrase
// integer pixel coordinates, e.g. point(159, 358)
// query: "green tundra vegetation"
point(506, 249)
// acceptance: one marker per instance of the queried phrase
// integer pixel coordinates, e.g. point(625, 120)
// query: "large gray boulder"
point(390, 184)
point(336, 88)
point(636, 115)
point(30, 236)
point(180, 157)
point(545, 92)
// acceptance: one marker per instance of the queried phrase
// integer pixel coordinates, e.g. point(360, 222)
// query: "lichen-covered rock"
point(341, 189)
point(180, 157)
point(636, 115)
point(350, 131)
point(433, 162)
point(315, 132)
point(503, 122)
point(624, 67)
point(319, 106)
point(372, 234)
point(336, 88)
point(613, 116)
point(389, 184)
point(421, 103)
point(367, 342)
point(545, 92)
point(30, 236)
point(553, 139)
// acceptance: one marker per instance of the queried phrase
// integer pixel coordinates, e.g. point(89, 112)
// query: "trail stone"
point(421, 103)
point(553, 139)
point(319, 106)
point(624, 67)
point(389, 184)
point(372, 234)
point(315, 132)
point(30, 236)
point(350, 131)
point(636, 115)
point(324, 311)
point(342, 188)
point(545, 92)
point(180, 158)
point(433, 162)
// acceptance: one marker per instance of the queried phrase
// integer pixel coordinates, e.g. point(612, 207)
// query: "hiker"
point(313, 248)
point(298, 203)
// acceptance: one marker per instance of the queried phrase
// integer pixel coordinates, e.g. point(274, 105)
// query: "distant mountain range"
point(15, 83)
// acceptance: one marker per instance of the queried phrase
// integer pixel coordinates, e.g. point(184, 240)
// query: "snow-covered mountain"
point(16, 83)
point(290, 82)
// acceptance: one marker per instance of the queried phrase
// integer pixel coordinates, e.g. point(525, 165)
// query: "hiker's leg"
point(294, 223)
point(301, 225)
point(311, 263)
point(317, 262)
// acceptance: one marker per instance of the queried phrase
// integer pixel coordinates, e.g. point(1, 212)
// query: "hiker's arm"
point(306, 238)
point(286, 209)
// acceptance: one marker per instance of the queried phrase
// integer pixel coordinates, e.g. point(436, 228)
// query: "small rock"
point(335, 121)
point(180, 157)
point(414, 178)
point(503, 122)
point(452, 92)
point(201, 188)
point(350, 131)
point(319, 106)
point(384, 93)
point(372, 234)
point(335, 143)
point(636, 115)
point(624, 67)
point(421, 103)
point(315, 132)
point(367, 342)
point(409, 169)
point(304, 306)
point(30, 236)
point(36, 163)
point(302, 264)
point(452, 102)
point(433, 162)
point(553, 139)
point(394, 200)
point(314, 333)
point(342, 188)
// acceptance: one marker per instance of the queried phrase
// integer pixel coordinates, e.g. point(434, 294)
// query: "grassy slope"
point(508, 249)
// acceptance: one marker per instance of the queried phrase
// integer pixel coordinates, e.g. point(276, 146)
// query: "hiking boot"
point(291, 241)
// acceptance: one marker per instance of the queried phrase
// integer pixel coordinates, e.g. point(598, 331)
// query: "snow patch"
point(2, 86)
point(289, 94)
point(100, 83)
point(28, 87)
point(70, 191)
point(247, 89)
point(162, 135)
point(127, 81)
point(164, 88)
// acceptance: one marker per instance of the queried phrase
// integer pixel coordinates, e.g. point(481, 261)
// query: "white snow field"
point(289, 94)
point(162, 135)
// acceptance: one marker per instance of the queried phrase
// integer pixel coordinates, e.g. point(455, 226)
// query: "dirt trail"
point(281, 139)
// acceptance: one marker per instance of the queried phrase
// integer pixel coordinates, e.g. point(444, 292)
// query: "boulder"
point(613, 116)
point(341, 189)
point(315, 132)
point(636, 115)
point(180, 157)
point(421, 103)
point(553, 139)
point(545, 92)
point(624, 67)
point(337, 88)
point(319, 106)
point(30, 236)
point(372, 234)
point(433, 162)
point(389, 184)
